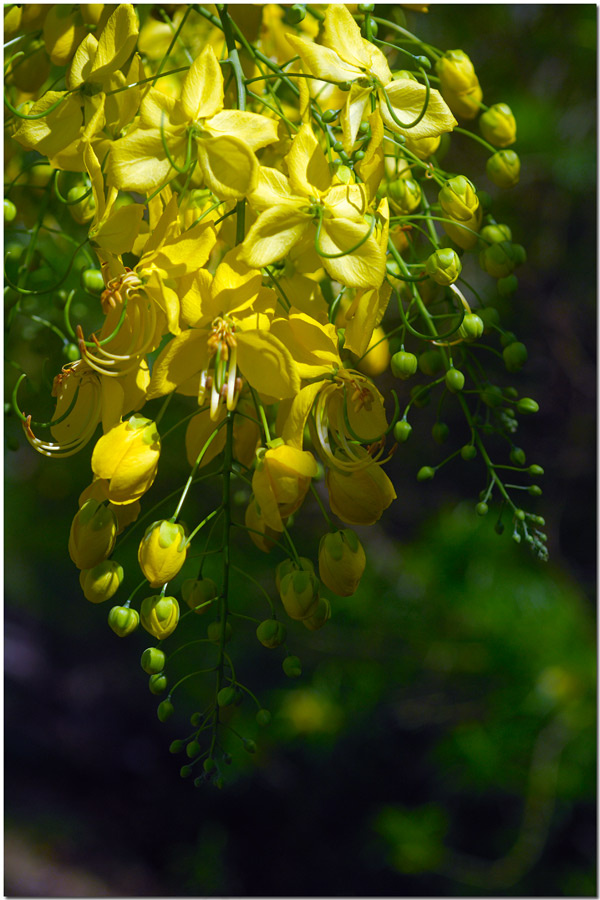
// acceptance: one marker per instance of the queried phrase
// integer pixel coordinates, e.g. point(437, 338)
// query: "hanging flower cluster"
point(266, 227)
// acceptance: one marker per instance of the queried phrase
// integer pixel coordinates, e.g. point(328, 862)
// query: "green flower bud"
point(497, 125)
point(101, 582)
point(342, 562)
point(507, 286)
point(330, 115)
point(405, 194)
point(495, 234)
point(440, 432)
point(519, 254)
point(444, 266)
point(193, 749)
point(292, 666)
point(198, 593)
point(160, 616)
point(93, 534)
point(425, 473)
point(468, 452)
point(492, 396)
point(249, 745)
point(81, 208)
point(535, 471)
point(152, 661)
point(123, 620)
point(402, 430)
point(176, 746)
point(10, 211)
point(503, 168)
point(209, 765)
point(456, 72)
point(455, 380)
point(296, 13)
point(508, 337)
point(526, 405)
point(92, 281)
point(213, 632)
point(515, 356)
point(157, 683)
point(165, 710)
point(271, 633)
point(431, 362)
point(458, 198)
point(321, 615)
point(471, 327)
point(497, 259)
point(226, 696)
point(534, 490)
point(482, 509)
point(403, 364)
point(263, 717)
point(185, 771)
point(71, 352)
point(289, 565)
point(517, 456)
point(299, 594)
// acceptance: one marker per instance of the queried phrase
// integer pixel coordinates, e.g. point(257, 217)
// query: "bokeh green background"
point(441, 741)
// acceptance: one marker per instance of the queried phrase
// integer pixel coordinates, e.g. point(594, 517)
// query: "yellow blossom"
point(280, 482)
point(127, 456)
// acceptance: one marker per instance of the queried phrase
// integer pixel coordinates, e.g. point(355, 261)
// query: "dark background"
point(441, 741)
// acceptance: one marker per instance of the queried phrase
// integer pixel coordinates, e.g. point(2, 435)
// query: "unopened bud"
point(271, 633)
point(162, 552)
point(498, 126)
point(503, 168)
point(123, 620)
point(160, 615)
point(444, 266)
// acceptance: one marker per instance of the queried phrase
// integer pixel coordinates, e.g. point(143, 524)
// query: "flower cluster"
point(267, 228)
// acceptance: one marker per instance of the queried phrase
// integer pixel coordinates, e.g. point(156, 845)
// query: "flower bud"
point(495, 234)
point(403, 364)
point(467, 104)
point(298, 592)
point(157, 683)
point(464, 233)
point(165, 711)
point(271, 633)
point(123, 620)
point(440, 432)
point(423, 147)
point(455, 380)
point(159, 616)
point(127, 456)
point(497, 259)
point(226, 696)
point(162, 552)
point(101, 582)
point(153, 661)
point(263, 717)
point(503, 168)
point(535, 471)
point(471, 327)
point(93, 534)
point(280, 482)
point(10, 210)
point(517, 456)
point(402, 430)
point(444, 266)
point(342, 562)
point(468, 452)
point(515, 356)
point(82, 207)
point(376, 357)
point(498, 126)
point(405, 194)
point(292, 666)
point(526, 406)
point(458, 198)
point(320, 616)
point(455, 71)
point(359, 497)
point(482, 508)
point(198, 593)
point(289, 565)
point(425, 473)
point(213, 632)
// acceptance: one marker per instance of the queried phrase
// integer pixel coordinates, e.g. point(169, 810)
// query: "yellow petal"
point(322, 61)
point(235, 286)
point(189, 251)
point(342, 34)
point(353, 114)
point(81, 64)
point(274, 234)
point(198, 432)
point(117, 43)
point(292, 430)
point(229, 167)
point(194, 298)
point(55, 131)
point(138, 162)
point(117, 233)
point(183, 358)
point(406, 99)
point(314, 347)
point(251, 128)
point(272, 187)
point(202, 90)
point(307, 165)
point(267, 365)
point(347, 200)
point(364, 266)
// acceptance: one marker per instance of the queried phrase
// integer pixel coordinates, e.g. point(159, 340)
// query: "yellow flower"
point(195, 125)
point(162, 552)
point(299, 592)
point(280, 482)
point(231, 343)
point(498, 126)
point(93, 534)
point(101, 582)
point(127, 456)
point(159, 616)
point(346, 57)
point(310, 203)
